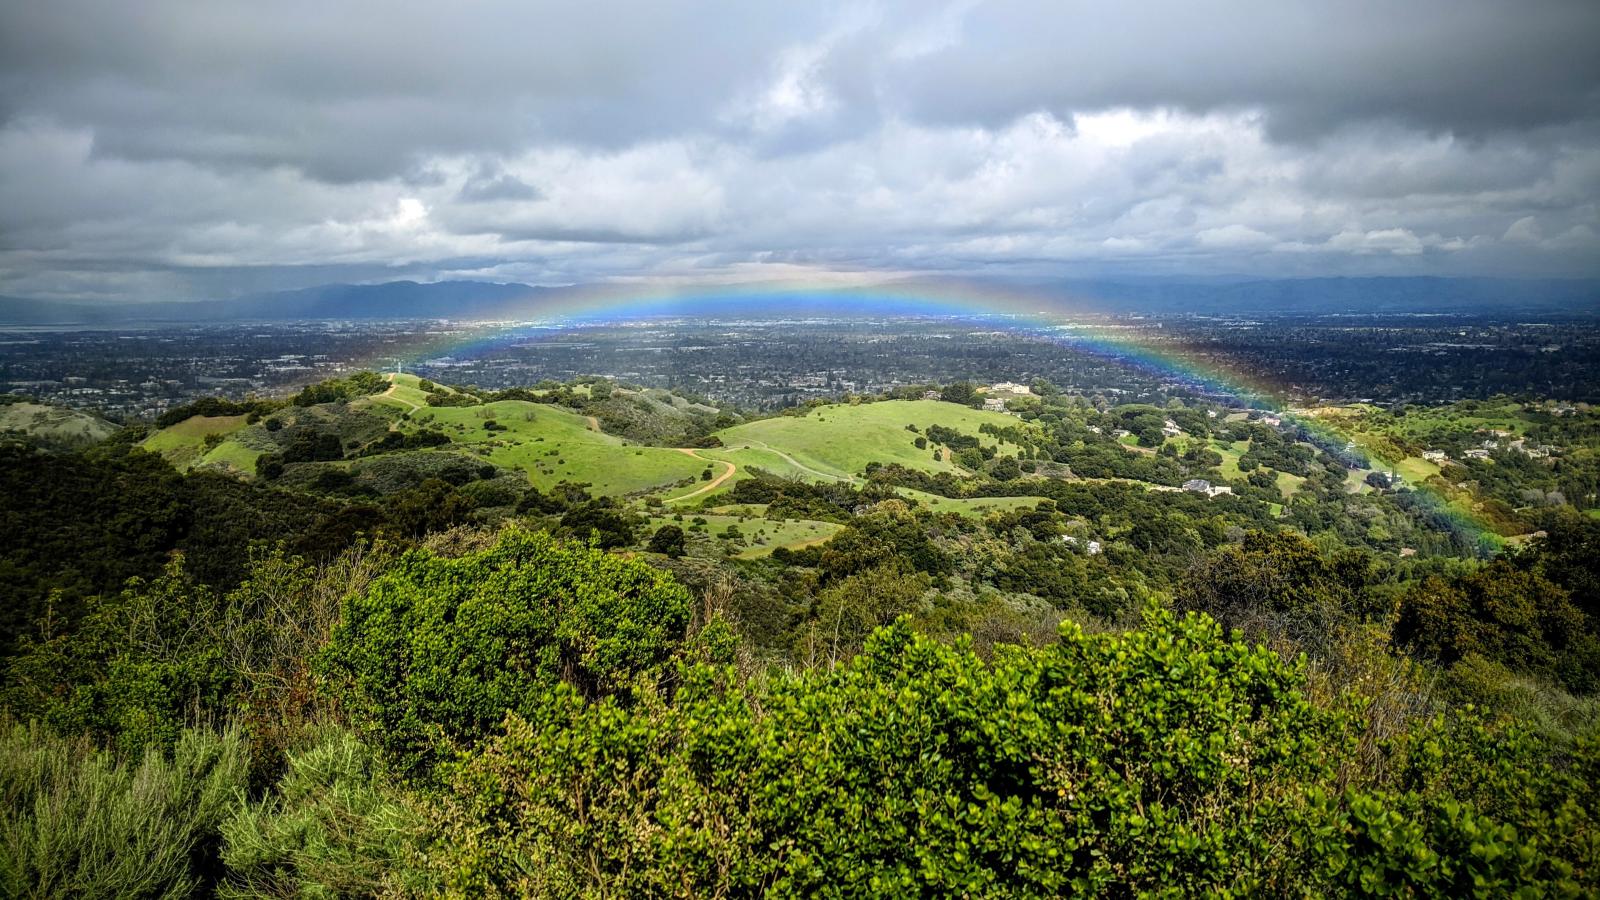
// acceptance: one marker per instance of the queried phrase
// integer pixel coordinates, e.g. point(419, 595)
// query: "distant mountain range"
point(478, 299)
point(1347, 295)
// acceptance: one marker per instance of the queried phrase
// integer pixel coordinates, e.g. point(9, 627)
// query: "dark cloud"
point(1466, 67)
point(172, 148)
point(490, 185)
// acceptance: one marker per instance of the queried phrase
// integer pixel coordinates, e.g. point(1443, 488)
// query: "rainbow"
point(1076, 323)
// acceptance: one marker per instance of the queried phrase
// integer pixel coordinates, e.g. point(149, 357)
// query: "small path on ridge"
point(711, 485)
point(795, 462)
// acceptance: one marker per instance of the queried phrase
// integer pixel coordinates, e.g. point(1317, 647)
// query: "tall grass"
point(76, 821)
point(331, 829)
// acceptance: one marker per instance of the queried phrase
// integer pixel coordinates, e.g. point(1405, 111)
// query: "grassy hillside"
point(402, 394)
point(838, 441)
point(184, 444)
point(552, 445)
point(54, 426)
point(975, 507)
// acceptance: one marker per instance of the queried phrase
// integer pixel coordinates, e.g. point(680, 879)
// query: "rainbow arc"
point(1074, 323)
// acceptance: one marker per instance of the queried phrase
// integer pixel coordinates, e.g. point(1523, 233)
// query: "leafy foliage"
point(436, 650)
point(1503, 613)
point(358, 385)
point(1164, 760)
point(82, 524)
point(1280, 585)
point(143, 667)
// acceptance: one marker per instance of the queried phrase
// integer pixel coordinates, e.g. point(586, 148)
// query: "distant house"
point(994, 404)
point(1491, 445)
point(930, 395)
point(1476, 453)
point(1272, 420)
point(1095, 429)
point(1217, 490)
point(1434, 455)
point(1170, 428)
point(1009, 387)
point(1197, 485)
point(1092, 547)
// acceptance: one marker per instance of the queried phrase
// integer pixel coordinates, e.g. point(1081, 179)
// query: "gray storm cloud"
point(163, 149)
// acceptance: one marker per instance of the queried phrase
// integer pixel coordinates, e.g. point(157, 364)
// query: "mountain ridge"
point(480, 299)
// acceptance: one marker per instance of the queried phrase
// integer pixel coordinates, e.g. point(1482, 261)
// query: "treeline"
point(79, 525)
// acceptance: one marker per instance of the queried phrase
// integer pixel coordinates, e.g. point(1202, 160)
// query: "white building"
point(1009, 387)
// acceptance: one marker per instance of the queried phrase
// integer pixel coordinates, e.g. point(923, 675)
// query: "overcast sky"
point(161, 150)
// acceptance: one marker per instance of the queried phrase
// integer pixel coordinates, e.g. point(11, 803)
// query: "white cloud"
point(1234, 236)
point(1397, 241)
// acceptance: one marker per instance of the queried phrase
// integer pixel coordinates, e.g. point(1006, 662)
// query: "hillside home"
point(1009, 387)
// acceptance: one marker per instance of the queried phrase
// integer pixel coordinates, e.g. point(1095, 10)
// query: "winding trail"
point(594, 424)
point(390, 393)
point(711, 485)
point(794, 462)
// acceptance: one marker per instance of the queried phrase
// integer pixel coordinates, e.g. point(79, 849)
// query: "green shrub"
point(80, 822)
point(141, 668)
point(332, 828)
point(1159, 760)
point(333, 390)
point(435, 652)
point(1163, 761)
point(1506, 614)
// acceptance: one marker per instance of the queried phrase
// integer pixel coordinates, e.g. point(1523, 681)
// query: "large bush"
point(1163, 761)
point(80, 822)
point(434, 653)
point(1503, 613)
